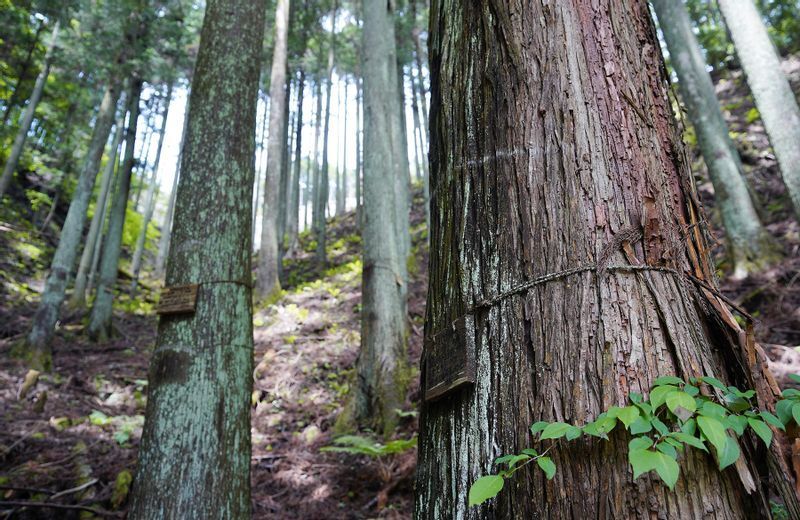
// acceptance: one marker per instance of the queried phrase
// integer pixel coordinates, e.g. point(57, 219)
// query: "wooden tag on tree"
point(179, 299)
point(449, 360)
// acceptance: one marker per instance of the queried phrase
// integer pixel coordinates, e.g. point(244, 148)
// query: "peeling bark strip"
point(553, 145)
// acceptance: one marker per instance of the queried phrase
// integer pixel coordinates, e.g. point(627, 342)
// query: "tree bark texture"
point(382, 365)
point(773, 96)
point(100, 319)
point(554, 145)
point(268, 281)
point(322, 190)
point(194, 459)
point(44, 321)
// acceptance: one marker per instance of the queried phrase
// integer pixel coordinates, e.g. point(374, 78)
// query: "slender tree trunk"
point(166, 228)
point(144, 159)
point(21, 75)
point(38, 350)
point(195, 447)
point(341, 201)
point(543, 165)
point(100, 319)
point(322, 192)
point(27, 115)
point(288, 136)
point(268, 282)
point(418, 153)
point(749, 243)
point(359, 153)
point(315, 183)
point(773, 96)
point(382, 365)
point(293, 222)
point(152, 194)
point(402, 180)
point(78, 299)
point(260, 169)
point(420, 80)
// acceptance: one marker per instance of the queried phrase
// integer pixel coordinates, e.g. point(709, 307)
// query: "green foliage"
point(675, 415)
point(358, 445)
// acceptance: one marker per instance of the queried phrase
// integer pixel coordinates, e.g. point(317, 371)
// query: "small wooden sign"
point(180, 299)
point(450, 359)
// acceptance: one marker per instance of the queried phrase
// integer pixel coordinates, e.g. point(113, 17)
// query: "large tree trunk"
point(194, 459)
point(268, 282)
point(27, 115)
point(78, 299)
point(749, 244)
point(293, 217)
point(44, 321)
point(553, 147)
point(100, 322)
point(773, 96)
point(359, 155)
point(152, 194)
point(382, 365)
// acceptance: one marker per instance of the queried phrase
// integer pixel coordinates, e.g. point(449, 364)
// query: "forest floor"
point(71, 439)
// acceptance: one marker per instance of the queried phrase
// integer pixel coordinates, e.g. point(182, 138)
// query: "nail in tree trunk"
point(100, 319)
point(166, 228)
point(27, 115)
point(542, 164)
point(194, 459)
point(773, 96)
point(293, 222)
point(749, 243)
point(382, 365)
point(268, 283)
point(38, 348)
point(152, 195)
point(78, 299)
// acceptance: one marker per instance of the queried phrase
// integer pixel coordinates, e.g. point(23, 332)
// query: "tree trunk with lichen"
point(382, 365)
point(194, 460)
point(750, 247)
point(100, 319)
point(774, 98)
point(268, 283)
point(553, 145)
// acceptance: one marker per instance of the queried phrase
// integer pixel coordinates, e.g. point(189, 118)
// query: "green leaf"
point(710, 409)
point(635, 397)
point(660, 426)
point(667, 449)
point(627, 415)
point(600, 426)
point(643, 461)
point(771, 419)
point(547, 466)
point(796, 412)
point(503, 459)
point(691, 390)
point(790, 392)
point(714, 431)
point(659, 394)
point(784, 410)
point(736, 423)
point(713, 381)
point(691, 440)
point(640, 425)
point(530, 451)
point(795, 378)
point(484, 489)
point(573, 432)
point(681, 404)
point(640, 443)
point(736, 403)
point(555, 430)
point(668, 380)
point(762, 430)
point(689, 427)
point(729, 454)
point(538, 426)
